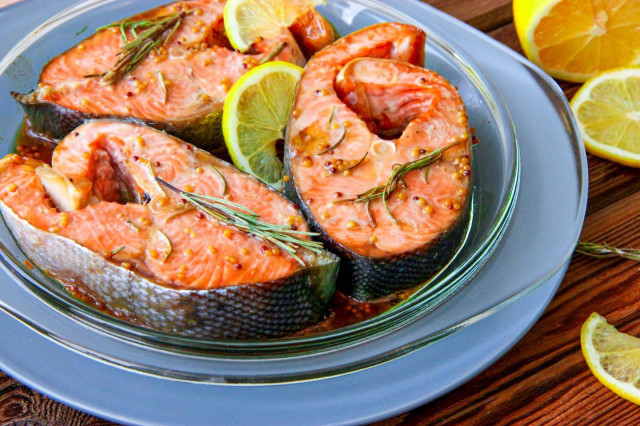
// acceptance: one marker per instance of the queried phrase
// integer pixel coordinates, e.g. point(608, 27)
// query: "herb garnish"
point(157, 32)
point(335, 145)
point(163, 85)
point(604, 251)
point(246, 220)
point(385, 191)
point(275, 52)
point(118, 250)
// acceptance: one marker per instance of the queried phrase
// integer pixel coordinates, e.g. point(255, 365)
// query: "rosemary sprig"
point(275, 52)
point(246, 220)
point(157, 32)
point(385, 191)
point(604, 251)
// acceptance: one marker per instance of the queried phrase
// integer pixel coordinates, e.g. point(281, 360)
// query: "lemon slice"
point(613, 357)
point(574, 40)
point(254, 118)
point(607, 108)
point(246, 20)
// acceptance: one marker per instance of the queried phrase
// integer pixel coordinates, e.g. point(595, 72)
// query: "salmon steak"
point(378, 155)
point(166, 235)
point(178, 84)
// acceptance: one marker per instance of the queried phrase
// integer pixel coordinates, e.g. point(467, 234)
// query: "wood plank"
point(485, 15)
point(543, 379)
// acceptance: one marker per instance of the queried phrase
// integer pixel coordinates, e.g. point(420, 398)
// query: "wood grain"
point(543, 379)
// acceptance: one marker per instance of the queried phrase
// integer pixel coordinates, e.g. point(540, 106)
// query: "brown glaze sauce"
point(344, 310)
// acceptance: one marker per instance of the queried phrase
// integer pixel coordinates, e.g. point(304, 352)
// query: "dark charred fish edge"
point(55, 122)
point(365, 278)
point(243, 312)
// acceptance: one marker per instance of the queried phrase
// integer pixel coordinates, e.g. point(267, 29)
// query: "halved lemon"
point(607, 108)
point(246, 20)
point(255, 116)
point(575, 39)
point(613, 357)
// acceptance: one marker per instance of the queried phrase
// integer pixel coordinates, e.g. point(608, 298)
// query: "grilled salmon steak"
point(111, 218)
point(178, 86)
point(378, 155)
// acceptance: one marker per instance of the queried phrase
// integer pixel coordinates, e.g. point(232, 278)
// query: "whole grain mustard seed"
point(64, 220)
point(244, 251)
point(12, 187)
point(227, 234)
point(351, 225)
point(231, 259)
point(212, 250)
point(153, 254)
point(373, 239)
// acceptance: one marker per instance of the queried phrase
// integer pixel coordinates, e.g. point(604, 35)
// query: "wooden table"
point(544, 378)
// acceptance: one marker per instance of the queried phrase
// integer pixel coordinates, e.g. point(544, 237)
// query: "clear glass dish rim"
point(392, 320)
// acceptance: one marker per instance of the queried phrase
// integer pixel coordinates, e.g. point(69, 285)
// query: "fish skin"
point(55, 108)
point(55, 122)
point(368, 274)
point(254, 310)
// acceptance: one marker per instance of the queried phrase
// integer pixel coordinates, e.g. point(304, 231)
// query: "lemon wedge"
point(254, 118)
point(607, 109)
point(246, 20)
point(613, 357)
